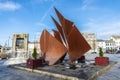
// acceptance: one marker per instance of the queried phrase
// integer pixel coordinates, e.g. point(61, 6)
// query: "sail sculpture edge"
point(57, 35)
point(59, 27)
point(53, 50)
point(43, 41)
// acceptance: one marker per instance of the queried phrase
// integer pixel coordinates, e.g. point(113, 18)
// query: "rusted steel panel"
point(59, 29)
point(55, 50)
point(67, 26)
point(43, 41)
point(57, 35)
point(77, 45)
point(60, 16)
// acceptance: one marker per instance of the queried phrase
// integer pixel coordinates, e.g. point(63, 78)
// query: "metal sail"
point(66, 24)
point(61, 18)
point(54, 49)
point(77, 45)
point(43, 41)
point(59, 27)
point(57, 35)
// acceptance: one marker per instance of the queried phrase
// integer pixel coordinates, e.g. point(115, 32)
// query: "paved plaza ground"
point(113, 73)
point(7, 73)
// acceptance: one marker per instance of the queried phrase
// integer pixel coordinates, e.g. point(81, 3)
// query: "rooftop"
point(116, 37)
point(109, 41)
point(100, 40)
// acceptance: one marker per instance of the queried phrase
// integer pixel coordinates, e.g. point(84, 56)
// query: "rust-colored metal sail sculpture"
point(43, 41)
point(77, 45)
point(66, 39)
point(60, 16)
point(57, 35)
point(66, 24)
point(51, 48)
point(59, 29)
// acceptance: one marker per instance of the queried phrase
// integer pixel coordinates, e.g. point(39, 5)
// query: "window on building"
point(19, 43)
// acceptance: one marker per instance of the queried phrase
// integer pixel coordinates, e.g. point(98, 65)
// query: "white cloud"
point(46, 13)
point(40, 1)
point(45, 0)
point(47, 10)
point(9, 6)
point(103, 29)
point(42, 26)
point(84, 7)
point(86, 4)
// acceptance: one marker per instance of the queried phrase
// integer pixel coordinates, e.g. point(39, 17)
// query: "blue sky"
point(101, 17)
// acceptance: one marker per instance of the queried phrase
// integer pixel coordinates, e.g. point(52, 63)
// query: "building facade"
point(116, 39)
point(31, 46)
point(91, 39)
point(20, 44)
point(102, 44)
point(110, 46)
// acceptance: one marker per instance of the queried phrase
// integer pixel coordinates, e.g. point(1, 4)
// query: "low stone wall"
point(88, 72)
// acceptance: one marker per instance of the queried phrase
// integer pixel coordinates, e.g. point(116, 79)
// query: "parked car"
point(118, 52)
point(3, 55)
point(93, 52)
